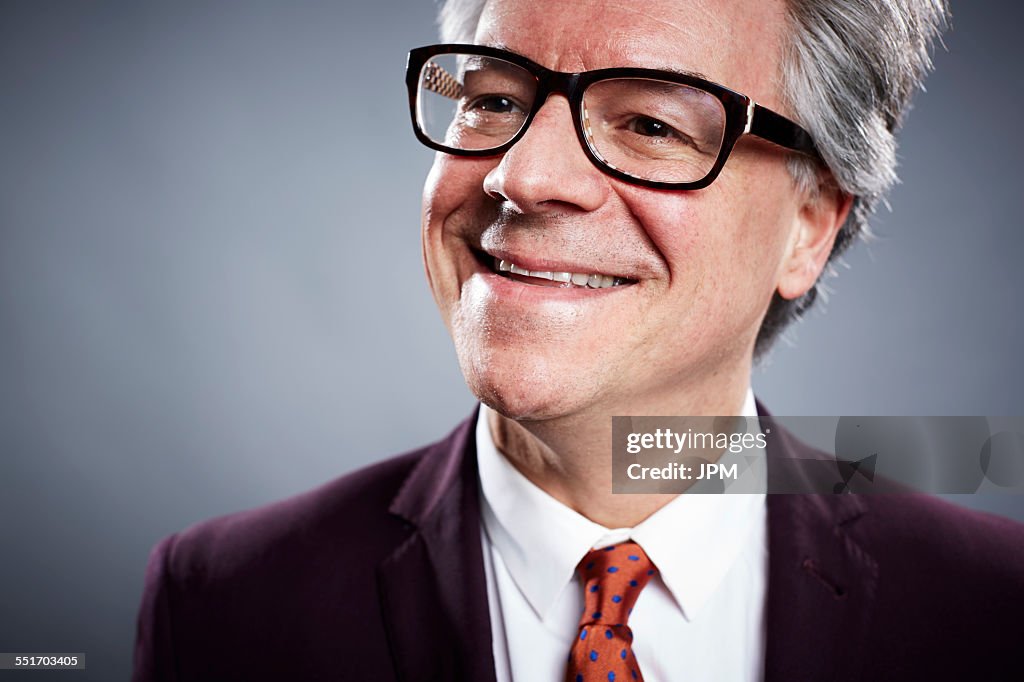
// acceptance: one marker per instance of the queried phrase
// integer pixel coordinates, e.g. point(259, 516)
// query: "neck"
point(570, 457)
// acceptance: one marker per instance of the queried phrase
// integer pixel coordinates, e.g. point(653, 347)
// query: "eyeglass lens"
point(649, 129)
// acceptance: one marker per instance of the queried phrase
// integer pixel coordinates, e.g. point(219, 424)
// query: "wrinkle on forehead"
point(713, 22)
point(499, 10)
point(733, 41)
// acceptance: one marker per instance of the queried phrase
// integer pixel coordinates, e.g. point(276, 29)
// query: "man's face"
point(701, 265)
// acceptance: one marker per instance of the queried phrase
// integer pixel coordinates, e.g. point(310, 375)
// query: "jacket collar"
point(433, 587)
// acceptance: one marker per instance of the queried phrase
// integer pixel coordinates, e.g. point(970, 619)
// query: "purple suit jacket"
point(378, 576)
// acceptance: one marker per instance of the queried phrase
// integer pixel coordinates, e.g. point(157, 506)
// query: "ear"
point(816, 225)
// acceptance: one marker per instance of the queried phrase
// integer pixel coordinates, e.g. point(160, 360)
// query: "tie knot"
point(612, 578)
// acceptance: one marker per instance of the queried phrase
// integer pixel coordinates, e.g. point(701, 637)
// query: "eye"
point(652, 127)
point(496, 104)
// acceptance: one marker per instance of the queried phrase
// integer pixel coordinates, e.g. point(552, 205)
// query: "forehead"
point(734, 42)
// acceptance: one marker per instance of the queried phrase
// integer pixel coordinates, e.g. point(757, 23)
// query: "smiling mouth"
point(565, 280)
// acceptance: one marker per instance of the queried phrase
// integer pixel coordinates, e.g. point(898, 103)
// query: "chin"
point(525, 391)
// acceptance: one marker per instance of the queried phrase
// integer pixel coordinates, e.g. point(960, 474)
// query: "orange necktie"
point(612, 578)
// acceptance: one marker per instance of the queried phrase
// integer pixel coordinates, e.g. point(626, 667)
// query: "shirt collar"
point(693, 540)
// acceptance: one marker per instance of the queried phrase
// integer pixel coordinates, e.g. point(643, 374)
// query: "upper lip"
point(542, 264)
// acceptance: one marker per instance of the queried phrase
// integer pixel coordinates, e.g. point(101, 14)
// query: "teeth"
point(593, 281)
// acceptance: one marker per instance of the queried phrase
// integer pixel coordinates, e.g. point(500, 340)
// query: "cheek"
point(454, 185)
point(431, 220)
point(675, 222)
point(693, 233)
point(439, 201)
point(453, 204)
point(723, 245)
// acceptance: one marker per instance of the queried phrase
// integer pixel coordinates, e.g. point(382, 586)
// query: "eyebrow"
point(670, 69)
point(682, 72)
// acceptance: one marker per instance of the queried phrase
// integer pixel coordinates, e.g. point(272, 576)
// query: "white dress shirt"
point(700, 618)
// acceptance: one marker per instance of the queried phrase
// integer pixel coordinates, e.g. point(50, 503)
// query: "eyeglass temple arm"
point(436, 79)
point(776, 128)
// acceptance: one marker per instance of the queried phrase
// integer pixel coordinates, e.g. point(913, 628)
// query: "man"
point(604, 243)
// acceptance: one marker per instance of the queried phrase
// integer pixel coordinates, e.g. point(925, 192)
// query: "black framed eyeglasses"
point(650, 127)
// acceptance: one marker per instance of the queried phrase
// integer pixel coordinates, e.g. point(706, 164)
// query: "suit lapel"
point(433, 587)
point(821, 582)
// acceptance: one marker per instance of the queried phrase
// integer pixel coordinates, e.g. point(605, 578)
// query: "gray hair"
point(849, 70)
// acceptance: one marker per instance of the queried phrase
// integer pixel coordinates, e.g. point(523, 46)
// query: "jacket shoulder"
point(267, 593)
point(351, 510)
point(946, 538)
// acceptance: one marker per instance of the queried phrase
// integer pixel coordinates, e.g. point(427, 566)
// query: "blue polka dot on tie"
point(616, 599)
point(622, 654)
point(593, 588)
point(595, 615)
point(589, 566)
point(634, 673)
point(611, 676)
point(593, 654)
point(583, 635)
point(579, 677)
point(609, 548)
point(633, 583)
point(650, 572)
point(608, 634)
point(613, 569)
point(634, 557)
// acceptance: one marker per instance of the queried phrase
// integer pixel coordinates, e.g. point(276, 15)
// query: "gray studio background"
point(211, 294)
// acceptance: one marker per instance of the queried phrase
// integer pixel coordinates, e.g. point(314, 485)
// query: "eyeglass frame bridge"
point(742, 114)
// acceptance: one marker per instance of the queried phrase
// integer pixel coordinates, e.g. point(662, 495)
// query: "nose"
point(546, 170)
